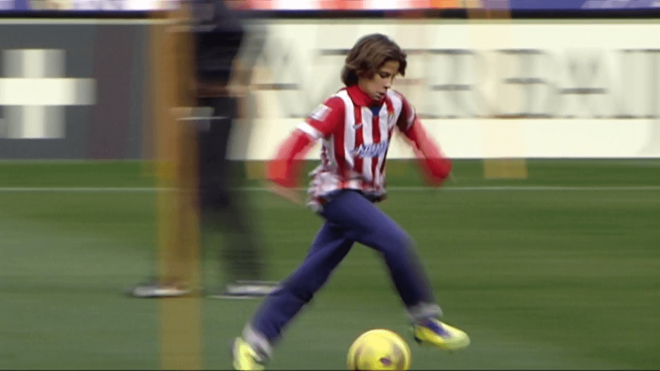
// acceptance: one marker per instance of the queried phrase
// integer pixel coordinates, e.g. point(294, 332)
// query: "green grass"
point(540, 279)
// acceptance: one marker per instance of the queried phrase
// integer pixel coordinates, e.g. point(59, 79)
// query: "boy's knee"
point(394, 242)
point(400, 238)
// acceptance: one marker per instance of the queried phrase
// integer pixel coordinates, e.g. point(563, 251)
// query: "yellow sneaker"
point(433, 332)
point(244, 357)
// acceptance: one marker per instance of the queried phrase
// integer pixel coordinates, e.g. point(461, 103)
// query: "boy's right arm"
point(284, 169)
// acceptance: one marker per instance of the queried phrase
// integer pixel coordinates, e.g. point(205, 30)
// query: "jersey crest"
point(320, 113)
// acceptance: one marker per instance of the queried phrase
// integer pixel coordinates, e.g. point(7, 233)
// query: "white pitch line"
point(78, 189)
point(83, 21)
point(540, 188)
point(396, 189)
point(502, 188)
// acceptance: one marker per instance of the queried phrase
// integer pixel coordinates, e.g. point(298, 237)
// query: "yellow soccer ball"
point(379, 349)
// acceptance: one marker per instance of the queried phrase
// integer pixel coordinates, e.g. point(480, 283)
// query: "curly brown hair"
point(368, 55)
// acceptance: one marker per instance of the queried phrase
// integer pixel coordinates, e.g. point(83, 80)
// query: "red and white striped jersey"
point(356, 134)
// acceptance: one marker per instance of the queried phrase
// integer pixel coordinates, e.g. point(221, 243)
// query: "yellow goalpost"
point(174, 147)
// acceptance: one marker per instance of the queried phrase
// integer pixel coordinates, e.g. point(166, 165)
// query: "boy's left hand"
point(288, 193)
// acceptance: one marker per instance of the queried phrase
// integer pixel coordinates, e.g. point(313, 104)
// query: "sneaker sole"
point(455, 348)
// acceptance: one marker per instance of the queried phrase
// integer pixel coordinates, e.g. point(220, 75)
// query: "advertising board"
point(329, 5)
point(485, 89)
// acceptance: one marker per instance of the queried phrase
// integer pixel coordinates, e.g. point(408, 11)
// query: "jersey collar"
point(361, 98)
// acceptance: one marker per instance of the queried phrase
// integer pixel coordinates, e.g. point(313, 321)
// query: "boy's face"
point(377, 86)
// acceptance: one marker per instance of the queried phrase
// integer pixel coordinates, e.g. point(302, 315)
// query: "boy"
point(356, 125)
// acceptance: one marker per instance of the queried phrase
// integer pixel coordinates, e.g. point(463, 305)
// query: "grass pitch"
point(558, 271)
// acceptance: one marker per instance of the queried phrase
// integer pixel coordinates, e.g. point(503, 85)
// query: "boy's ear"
point(363, 74)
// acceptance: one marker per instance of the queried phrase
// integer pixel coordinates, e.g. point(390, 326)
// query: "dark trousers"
point(350, 218)
point(224, 211)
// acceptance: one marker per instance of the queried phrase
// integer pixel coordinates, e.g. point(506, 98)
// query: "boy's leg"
point(363, 222)
point(280, 307)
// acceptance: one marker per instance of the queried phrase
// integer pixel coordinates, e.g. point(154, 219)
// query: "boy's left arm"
point(435, 164)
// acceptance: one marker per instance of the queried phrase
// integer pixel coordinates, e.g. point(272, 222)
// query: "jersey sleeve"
point(435, 165)
point(325, 119)
point(407, 117)
point(285, 168)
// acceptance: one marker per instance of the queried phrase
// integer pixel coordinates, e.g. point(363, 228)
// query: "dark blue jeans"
point(350, 218)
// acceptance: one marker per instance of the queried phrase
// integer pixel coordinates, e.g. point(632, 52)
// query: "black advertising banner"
point(72, 89)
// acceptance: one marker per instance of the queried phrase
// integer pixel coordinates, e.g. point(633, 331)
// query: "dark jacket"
point(219, 33)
